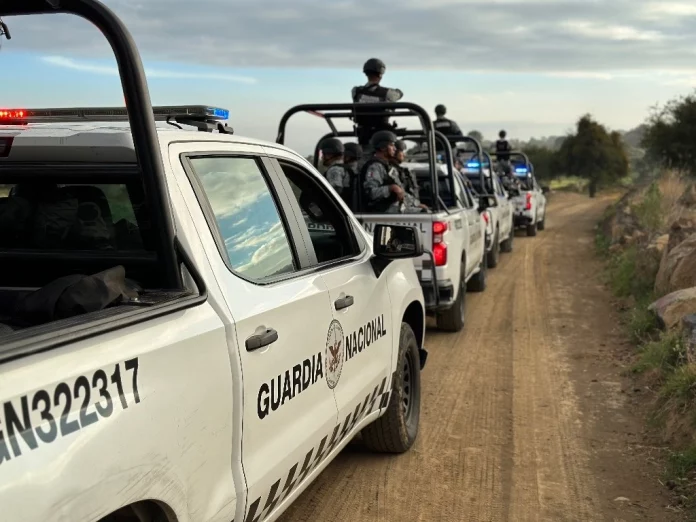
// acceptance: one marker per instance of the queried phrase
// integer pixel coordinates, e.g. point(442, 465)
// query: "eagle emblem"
point(333, 356)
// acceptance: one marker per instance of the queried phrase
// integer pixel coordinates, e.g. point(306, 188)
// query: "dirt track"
point(525, 415)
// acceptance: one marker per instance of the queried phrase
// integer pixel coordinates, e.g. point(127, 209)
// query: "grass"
point(642, 323)
point(665, 354)
point(569, 183)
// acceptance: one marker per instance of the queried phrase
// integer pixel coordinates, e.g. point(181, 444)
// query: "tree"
point(670, 132)
point(477, 135)
point(545, 161)
point(593, 153)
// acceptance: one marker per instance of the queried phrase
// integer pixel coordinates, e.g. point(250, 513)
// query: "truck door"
point(474, 226)
point(279, 319)
point(360, 338)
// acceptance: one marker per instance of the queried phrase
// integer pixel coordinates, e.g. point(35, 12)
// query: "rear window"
point(426, 189)
point(45, 214)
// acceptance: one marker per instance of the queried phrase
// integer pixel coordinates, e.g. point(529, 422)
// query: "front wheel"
point(397, 429)
point(493, 256)
point(478, 282)
point(452, 319)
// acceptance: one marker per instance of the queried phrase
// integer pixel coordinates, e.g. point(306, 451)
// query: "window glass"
point(255, 238)
point(45, 214)
point(331, 237)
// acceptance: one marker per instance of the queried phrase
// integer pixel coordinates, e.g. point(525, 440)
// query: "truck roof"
point(100, 142)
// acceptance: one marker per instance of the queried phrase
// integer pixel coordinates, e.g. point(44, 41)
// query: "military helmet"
point(401, 145)
point(381, 139)
point(374, 66)
point(332, 146)
point(502, 134)
point(353, 150)
point(440, 110)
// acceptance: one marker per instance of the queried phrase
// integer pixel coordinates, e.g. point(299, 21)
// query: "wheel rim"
point(408, 383)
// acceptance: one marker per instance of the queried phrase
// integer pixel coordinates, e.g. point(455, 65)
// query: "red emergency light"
point(12, 114)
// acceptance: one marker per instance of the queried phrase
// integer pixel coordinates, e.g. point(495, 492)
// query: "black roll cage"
point(140, 113)
point(347, 111)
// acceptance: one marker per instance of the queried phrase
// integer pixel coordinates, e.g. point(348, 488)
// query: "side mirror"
point(545, 189)
point(487, 201)
point(396, 242)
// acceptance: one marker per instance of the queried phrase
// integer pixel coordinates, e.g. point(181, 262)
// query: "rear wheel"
point(397, 429)
point(452, 319)
point(494, 255)
point(532, 230)
point(478, 282)
point(542, 224)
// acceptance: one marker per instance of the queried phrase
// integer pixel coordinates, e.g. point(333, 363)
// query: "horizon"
point(574, 63)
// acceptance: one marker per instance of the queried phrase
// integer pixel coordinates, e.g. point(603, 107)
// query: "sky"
point(531, 67)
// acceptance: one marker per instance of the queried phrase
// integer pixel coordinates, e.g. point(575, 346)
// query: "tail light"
point(528, 204)
point(439, 247)
point(485, 217)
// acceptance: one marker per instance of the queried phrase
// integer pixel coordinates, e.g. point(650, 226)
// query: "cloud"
point(70, 63)
point(500, 35)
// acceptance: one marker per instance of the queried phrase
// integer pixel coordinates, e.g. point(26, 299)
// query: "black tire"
point(452, 319)
point(493, 257)
point(542, 224)
point(478, 282)
point(506, 246)
point(532, 230)
point(397, 429)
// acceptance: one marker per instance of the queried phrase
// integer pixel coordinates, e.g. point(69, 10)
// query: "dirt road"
point(525, 413)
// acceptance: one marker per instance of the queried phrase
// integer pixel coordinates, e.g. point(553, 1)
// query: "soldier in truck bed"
point(368, 121)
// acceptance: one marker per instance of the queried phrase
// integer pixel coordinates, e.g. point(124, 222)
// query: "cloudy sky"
point(530, 66)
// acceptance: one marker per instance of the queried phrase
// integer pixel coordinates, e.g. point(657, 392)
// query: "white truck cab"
point(452, 230)
point(499, 219)
point(176, 342)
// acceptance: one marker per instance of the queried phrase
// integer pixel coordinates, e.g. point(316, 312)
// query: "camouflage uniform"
point(380, 198)
point(338, 177)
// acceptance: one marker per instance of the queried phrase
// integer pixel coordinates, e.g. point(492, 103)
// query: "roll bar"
point(140, 114)
point(347, 111)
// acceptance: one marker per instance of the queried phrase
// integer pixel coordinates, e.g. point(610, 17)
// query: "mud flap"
point(423, 357)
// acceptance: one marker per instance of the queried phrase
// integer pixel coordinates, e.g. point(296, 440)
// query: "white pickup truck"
point(175, 343)
point(499, 217)
point(530, 204)
point(452, 232)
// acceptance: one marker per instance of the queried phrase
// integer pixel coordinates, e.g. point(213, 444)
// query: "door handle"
point(262, 339)
point(344, 302)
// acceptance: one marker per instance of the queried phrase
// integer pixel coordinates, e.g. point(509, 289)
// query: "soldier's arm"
point(394, 95)
point(334, 177)
point(373, 183)
point(456, 131)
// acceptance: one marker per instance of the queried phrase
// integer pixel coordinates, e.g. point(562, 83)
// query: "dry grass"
point(672, 185)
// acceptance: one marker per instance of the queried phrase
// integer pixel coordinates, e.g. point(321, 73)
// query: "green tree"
point(545, 161)
point(477, 135)
point(670, 135)
point(593, 153)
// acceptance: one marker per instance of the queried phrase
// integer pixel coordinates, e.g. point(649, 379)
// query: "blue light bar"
point(219, 113)
point(473, 165)
point(103, 114)
point(521, 170)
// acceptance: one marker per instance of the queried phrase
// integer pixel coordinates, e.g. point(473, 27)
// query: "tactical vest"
point(383, 204)
point(502, 148)
point(370, 120)
point(443, 125)
point(348, 194)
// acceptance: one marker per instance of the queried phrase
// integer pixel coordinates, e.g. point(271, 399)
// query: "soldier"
point(383, 189)
point(408, 178)
point(369, 121)
point(445, 125)
point(502, 151)
point(332, 150)
point(352, 152)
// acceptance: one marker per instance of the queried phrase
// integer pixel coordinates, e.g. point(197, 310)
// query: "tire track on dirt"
point(502, 434)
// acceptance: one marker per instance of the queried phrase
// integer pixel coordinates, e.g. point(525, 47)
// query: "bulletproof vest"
point(367, 119)
point(383, 204)
point(501, 148)
point(347, 194)
point(443, 125)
